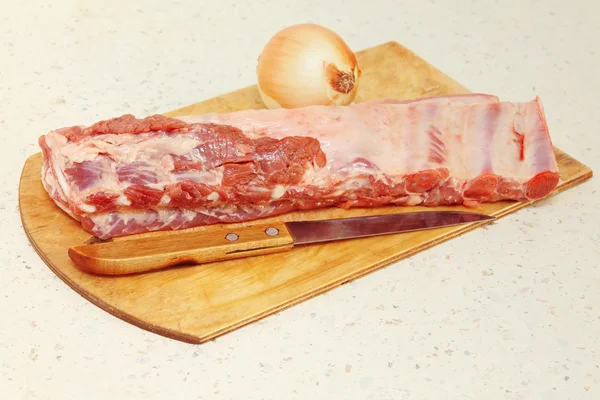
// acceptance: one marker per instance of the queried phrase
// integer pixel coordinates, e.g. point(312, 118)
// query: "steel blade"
point(305, 232)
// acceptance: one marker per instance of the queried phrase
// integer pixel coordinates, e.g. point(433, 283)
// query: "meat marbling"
point(126, 176)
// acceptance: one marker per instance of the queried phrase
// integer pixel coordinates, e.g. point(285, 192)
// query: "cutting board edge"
point(98, 302)
point(193, 339)
point(383, 263)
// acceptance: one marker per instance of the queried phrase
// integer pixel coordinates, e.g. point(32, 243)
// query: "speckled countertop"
point(453, 322)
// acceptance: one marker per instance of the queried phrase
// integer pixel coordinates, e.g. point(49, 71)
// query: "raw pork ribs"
point(125, 175)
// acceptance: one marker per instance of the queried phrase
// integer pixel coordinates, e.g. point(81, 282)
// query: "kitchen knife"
point(156, 252)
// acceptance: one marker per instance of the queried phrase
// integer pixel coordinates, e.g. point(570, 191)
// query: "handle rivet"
point(272, 231)
point(232, 237)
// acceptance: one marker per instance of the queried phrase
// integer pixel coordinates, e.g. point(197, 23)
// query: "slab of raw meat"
point(125, 175)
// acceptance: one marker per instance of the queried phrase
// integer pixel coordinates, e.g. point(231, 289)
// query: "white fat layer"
point(57, 162)
point(278, 191)
point(413, 200)
point(213, 196)
point(129, 148)
point(87, 208)
point(122, 200)
point(165, 199)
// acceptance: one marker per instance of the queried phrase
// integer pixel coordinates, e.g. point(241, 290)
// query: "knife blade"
point(146, 254)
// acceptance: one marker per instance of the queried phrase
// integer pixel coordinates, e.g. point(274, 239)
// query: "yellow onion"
point(304, 65)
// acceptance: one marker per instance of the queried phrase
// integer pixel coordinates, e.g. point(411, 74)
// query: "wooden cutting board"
point(198, 303)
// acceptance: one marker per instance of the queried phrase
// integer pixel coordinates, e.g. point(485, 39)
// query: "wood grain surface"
point(198, 303)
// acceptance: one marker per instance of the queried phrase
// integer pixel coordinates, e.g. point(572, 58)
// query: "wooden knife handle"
point(129, 256)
